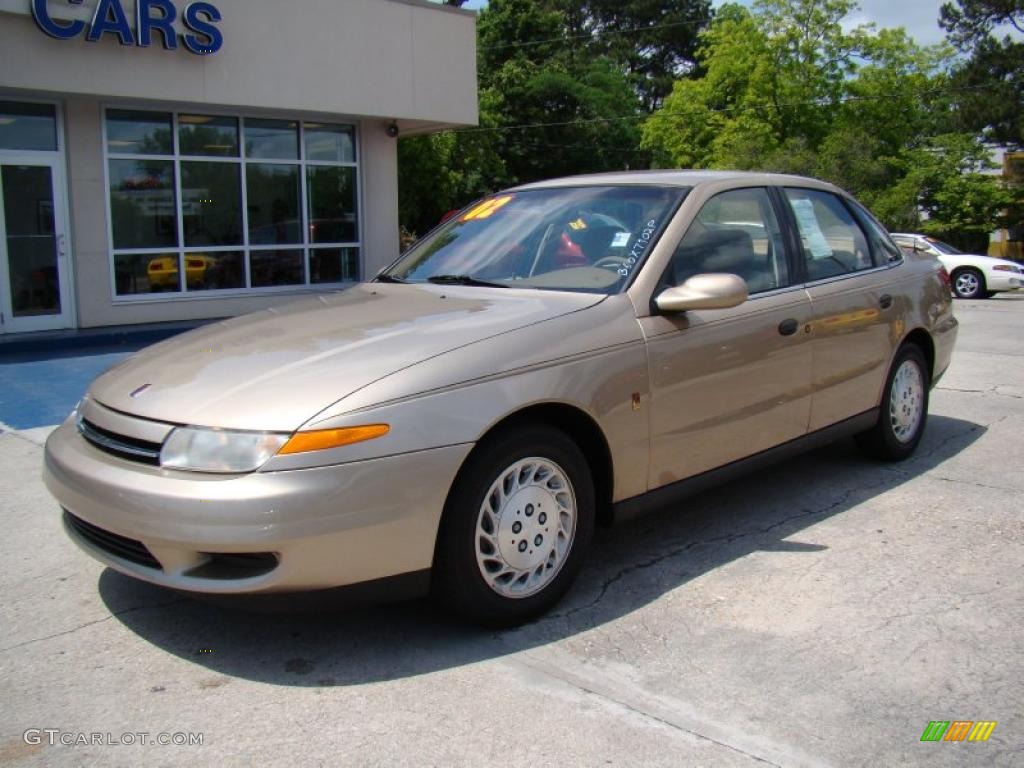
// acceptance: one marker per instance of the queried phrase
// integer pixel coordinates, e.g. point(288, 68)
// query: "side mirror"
point(715, 290)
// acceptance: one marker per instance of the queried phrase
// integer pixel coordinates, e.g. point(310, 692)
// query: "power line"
point(598, 33)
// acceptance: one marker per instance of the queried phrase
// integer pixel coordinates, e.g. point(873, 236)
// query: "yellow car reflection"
point(163, 271)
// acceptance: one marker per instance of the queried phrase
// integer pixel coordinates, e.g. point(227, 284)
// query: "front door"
point(729, 383)
point(33, 245)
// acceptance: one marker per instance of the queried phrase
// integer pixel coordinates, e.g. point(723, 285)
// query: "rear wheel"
point(515, 528)
point(969, 283)
point(904, 409)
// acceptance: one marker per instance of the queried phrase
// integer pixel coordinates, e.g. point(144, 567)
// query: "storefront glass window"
point(146, 273)
point(331, 195)
point(214, 271)
point(273, 203)
point(203, 203)
point(139, 133)
point(208, 136)
point(272, 139)
point(333, 265)
point(211, 203)
point(271, 268)
point(330, 143)
point(30, 127)
point(142, 207)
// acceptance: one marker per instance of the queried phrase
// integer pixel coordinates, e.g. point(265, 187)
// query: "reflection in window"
point(211, 203)
point(331, 196)
point(214, 271)
point(330, 143)
point(204, 135)
point(131, 132)
point(273, 192)
point(272, 139)
point(137, 273)
point(333, 265)
point(143, 211)
point(28, 126)
point(736, 232)
point(271, 268)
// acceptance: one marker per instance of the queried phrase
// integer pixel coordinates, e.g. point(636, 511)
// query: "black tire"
point(968, 283)
point(458, 582)
point(881, 441)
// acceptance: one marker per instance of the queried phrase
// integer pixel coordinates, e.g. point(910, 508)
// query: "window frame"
point(245, 247)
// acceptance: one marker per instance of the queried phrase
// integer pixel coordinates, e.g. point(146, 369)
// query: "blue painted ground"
point(37, 390)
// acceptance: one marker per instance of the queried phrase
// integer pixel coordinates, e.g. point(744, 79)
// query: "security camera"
point(392, 130)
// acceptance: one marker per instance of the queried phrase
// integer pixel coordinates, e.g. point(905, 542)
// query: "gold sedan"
point(554, 357)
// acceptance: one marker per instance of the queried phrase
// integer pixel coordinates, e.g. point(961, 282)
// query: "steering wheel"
point(613, 263)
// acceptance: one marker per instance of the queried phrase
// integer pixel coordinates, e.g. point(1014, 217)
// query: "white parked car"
point(974, 277)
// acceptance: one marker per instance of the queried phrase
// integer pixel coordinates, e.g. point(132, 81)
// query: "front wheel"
point(515, 528)
point(904, 409)
point(969, 284)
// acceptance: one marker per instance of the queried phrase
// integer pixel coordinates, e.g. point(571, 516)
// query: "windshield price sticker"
point(810, 229)
point(640, 247)
point(487, 208)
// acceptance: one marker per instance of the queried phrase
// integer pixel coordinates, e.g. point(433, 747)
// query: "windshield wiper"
point(389, 279)
point(464, 280)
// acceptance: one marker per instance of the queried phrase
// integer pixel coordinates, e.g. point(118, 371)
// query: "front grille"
point(130, 448)
point(118, 546)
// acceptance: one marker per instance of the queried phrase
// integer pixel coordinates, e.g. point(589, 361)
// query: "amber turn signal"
point(322, 439)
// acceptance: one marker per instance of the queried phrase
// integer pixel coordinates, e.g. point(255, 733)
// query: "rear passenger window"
point(735, 232)
point(833, 243)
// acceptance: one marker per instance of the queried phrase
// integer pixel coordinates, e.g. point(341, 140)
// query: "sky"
point(919, 17)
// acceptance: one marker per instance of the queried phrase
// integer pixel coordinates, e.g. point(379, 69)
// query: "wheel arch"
point(583, 429)
point(922, 339)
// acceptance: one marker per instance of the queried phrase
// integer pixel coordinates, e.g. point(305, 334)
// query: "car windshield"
point(942, 247)
point(587, 239)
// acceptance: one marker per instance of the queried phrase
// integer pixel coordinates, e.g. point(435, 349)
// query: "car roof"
point(680, 178)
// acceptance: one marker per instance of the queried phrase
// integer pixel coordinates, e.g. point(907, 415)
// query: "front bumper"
point(297, 530)
point(1003, 281)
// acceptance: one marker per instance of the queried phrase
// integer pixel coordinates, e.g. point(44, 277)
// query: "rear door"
point(856, 311)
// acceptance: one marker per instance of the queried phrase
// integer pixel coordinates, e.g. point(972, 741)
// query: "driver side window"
point(735, 232)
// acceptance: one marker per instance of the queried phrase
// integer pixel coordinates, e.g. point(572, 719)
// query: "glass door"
point(33, 244)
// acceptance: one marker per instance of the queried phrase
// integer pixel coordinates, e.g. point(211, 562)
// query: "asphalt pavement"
point(821, 612)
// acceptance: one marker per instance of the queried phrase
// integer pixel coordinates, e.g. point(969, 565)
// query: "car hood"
point(276, 369)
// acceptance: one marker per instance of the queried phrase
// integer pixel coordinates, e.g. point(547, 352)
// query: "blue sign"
point(153, 18)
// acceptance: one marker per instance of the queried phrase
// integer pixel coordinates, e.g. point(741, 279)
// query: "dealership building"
point(163, 160)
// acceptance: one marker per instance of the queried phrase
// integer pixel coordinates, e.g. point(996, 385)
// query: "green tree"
point(653, 41)
point(545, 110)
point(991, 80)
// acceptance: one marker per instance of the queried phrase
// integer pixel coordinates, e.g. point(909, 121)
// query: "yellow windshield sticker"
point(578, 225)
point(487, 208)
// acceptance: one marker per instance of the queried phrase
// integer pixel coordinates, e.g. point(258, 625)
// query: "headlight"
point(1005, 268)
point(219, 450)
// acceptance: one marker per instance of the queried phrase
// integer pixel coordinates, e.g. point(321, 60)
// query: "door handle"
point(788, 327)
point(62, 245)
point(885, 301)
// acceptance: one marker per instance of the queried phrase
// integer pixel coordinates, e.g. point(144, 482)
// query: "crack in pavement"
point(93, 623)
point(673, 713)
point(990, 391)
point(728, 538)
